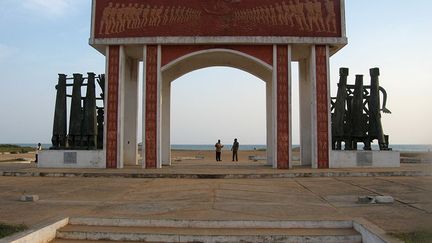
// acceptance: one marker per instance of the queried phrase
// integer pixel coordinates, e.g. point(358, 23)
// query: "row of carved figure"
point(308, 15)
point(86, 120)
point(120, 17)
point(356, 113)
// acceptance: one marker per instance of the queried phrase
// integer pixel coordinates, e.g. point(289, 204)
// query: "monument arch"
point(172, 38)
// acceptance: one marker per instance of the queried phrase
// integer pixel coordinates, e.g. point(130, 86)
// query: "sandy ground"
point(226, 156)
point(213, 199)
point(220, 199)
point(243, 156)
point(12, 157)
point(177, 155)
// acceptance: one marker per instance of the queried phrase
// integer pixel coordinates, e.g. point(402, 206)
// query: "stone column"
point(151, 109)
point(305, 96)
point(111, 104)
point(129, 110)
point(283, 128)
point(166, 122)
point(322, 120)
point(269, 121)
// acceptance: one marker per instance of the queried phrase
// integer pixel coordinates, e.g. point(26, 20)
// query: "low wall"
point(352, 159)
point(71, 159)
point(43, 233)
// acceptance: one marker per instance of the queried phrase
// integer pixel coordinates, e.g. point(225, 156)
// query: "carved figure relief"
point(121, 17)
point(308, 15)
point(218, 7)
point(142, 18)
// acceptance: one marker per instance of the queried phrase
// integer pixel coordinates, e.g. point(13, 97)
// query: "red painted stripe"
point(112, 107)
point(283, 152)
point(151, 107)
point(322, 106)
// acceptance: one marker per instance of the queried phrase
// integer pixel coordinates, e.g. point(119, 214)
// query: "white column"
point(274, 109)
point(306, 110)
point(159, 108)
point(105, 134)
point(120, 110)
point(329, 103)
point(269, 122)
point(166, 117)
point(290, 104)
point(129, 88)
point(314, 135)
point(143, 147)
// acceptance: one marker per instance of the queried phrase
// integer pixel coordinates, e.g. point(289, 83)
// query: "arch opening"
point(189, 65)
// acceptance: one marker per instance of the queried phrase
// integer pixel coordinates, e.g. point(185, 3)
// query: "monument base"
point(72, 159)
point(352, 159)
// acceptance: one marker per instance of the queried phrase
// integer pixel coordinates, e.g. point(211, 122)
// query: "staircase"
point(137, 230)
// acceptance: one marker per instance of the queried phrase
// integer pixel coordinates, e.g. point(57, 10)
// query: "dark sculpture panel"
point(356, 113)
point(86, 119)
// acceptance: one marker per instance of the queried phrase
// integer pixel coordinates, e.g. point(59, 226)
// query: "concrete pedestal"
point(352, 159)
point(71, 159)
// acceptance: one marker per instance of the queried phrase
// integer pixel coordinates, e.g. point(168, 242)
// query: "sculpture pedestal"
point(71, 159)
point(352, 159)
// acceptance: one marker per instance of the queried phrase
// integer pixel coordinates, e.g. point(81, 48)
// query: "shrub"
point(6, 229)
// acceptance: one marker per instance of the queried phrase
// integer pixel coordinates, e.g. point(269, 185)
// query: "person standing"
point(234, 150)
point(38, 148)
point(219, 147)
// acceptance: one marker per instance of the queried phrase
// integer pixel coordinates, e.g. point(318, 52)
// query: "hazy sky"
point(40, 38)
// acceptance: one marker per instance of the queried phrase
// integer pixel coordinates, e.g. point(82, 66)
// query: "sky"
point(41, 38)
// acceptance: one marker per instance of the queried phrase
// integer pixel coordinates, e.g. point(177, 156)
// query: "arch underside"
point(210, 58)
point(218, 57)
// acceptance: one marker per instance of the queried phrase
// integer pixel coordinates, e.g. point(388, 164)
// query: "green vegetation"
point(6, 229)
point(15, 149)
point(415, 237)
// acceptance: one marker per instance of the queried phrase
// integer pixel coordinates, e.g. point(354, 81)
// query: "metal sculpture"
point(356, 113)
point(59, 128)
point(89, 129)
point(86, 119)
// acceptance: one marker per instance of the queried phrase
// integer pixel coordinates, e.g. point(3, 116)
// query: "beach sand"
point(4, 157)
point(243, 156)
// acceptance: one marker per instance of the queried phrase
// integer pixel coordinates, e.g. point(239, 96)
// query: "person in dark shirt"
point(38, 148)
point(234, 150)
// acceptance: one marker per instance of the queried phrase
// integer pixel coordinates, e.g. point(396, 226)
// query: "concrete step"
point(200, 234)
point(86, 241)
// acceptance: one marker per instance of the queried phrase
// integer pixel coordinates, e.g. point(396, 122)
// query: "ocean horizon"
point(209, 147)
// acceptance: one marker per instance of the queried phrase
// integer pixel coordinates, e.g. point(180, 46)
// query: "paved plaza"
point(219, 199)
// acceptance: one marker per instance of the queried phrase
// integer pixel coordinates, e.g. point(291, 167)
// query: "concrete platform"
point(286, 198)
point(214, 170)
point(317, 198)
point(176, 234)
point(148, 230)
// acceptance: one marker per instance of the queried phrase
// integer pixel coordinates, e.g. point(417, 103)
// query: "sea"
point(209, 147)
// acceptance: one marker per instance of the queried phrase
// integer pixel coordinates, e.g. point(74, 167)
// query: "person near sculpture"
point(38, 148)
point(218, 147)
point(234, 150)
